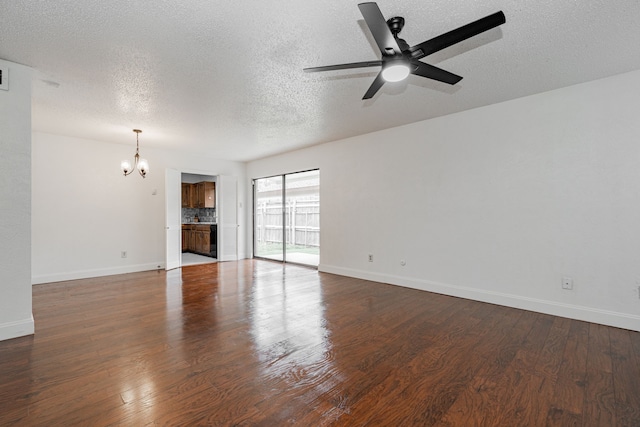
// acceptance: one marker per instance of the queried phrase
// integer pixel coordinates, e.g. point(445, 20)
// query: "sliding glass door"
point(286, 224)
point(302, 217)
point(267, 222)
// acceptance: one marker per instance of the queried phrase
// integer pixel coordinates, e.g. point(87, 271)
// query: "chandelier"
point(141, 164)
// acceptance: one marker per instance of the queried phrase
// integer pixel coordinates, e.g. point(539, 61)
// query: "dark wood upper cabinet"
point(199, 195)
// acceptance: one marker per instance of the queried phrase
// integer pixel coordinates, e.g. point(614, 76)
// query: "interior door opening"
point(224, 217)
point(286, 217)
point(199, 219)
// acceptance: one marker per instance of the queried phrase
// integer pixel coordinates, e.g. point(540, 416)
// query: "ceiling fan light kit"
point(395, 71)
point(399, 59)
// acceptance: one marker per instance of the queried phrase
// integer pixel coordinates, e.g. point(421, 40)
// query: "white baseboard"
point(587, 314)
point(16, 329)
point(85, 274)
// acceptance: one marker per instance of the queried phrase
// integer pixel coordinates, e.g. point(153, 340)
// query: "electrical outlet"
point(123, 254)
point(567, 283)
point(370, 257)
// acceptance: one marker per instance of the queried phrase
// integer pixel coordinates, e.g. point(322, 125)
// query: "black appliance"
point(214, 241)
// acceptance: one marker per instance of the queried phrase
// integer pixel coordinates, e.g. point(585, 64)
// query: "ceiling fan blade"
point(434, 73)
point(456, 36)
point(379, 28)
point(344, 66)
point(375, 87)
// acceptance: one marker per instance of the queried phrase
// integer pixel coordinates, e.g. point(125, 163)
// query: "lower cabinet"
point(202, 239)
point(197, 239)
point(186, 238)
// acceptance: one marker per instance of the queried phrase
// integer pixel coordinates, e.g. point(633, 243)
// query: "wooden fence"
point(302, 222)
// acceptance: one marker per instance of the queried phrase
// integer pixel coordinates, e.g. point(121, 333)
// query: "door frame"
point(180, 172)
point(284, 225)
point(172, 234)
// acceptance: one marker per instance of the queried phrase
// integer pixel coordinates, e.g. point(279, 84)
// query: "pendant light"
point(141, 164)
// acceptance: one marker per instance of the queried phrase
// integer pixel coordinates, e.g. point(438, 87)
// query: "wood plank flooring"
point(258, 343)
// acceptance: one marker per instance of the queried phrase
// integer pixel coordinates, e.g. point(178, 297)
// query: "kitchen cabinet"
point(188, 195)
point(193, 239)
point(199, 195)
point(206, 241)
point(198, 200)
point(202, 239)
point(186, 238)
point(205, 195)
point(197, 239)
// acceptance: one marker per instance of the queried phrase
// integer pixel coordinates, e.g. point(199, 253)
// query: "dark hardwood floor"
point(259, 343)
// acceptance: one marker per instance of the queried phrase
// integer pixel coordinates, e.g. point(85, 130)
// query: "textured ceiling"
point(225, 78)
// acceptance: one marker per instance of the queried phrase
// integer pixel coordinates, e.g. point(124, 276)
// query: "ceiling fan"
point(399, 59)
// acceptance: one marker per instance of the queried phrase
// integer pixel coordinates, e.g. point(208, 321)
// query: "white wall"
point(15, 204)
point(85, 212)
point(496, 204)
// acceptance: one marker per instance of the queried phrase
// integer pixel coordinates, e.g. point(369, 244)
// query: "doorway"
point(198, 219)
point(286, 217)
point(225, 217)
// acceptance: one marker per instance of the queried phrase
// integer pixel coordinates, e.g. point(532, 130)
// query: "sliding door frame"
point(282, 212)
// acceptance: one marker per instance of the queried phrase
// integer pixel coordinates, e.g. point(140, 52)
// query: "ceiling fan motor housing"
point(395, 24)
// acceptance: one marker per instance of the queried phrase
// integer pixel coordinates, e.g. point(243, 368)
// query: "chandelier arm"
point(137, 161)
point(135, 165)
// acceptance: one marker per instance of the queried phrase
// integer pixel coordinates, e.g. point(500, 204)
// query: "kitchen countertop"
point(198, 223)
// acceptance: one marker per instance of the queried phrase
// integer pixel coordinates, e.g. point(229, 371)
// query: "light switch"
point(4, 78)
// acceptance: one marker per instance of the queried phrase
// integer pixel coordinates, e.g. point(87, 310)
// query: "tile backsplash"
point(204, 214)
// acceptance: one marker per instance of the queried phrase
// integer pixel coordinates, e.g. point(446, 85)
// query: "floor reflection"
point(199, 298)
point(289, 328)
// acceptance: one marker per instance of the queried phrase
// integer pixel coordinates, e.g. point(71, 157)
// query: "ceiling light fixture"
point(141, 164)
point(395, 71)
